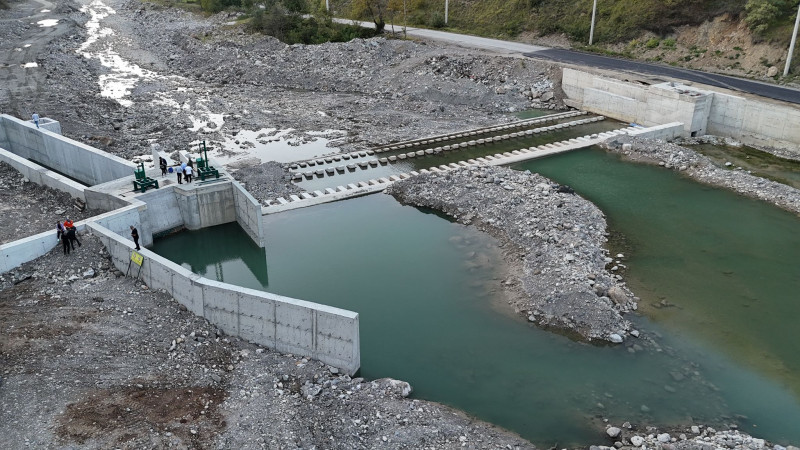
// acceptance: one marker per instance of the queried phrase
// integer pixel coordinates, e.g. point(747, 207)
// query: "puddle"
point(272, 144)
point(47, 23)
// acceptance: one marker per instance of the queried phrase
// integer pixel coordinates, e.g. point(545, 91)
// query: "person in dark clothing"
point(135, 236)
point(163, 164)
point(65, 243)
point(72, 235)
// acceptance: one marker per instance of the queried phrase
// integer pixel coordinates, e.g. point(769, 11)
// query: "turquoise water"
point(432, 310)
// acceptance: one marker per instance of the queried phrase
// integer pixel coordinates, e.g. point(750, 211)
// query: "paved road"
point(605, 62)
point(463, 40)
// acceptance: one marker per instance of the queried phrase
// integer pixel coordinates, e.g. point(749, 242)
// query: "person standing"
point(35, 119)
point(163, 164)
point(65, 243)
point(72, 235)
point(135, 236)
point(179, 171)
point(188, 174)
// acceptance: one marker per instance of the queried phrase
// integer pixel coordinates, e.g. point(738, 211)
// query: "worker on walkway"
point(179, 171)
point(188, 173)
point(35, 119)
point(135, 236)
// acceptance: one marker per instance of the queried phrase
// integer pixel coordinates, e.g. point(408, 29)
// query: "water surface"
point(430, 301)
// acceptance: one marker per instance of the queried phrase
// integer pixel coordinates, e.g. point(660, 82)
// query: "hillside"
point(738, 37)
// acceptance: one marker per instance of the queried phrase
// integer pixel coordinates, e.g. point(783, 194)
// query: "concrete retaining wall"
point(751, 120)
point(42, 176)
point(162, 211)
point(3, 136)
point(328, 334)
point(754, 122)
point(77, 160)
point(248, 213)
point(206, 206)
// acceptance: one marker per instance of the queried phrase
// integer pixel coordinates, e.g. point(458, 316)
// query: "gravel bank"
point(554, 240)
point(27, 208)
point(702, 169)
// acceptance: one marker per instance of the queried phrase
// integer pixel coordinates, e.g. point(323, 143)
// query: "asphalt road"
point(723, 81)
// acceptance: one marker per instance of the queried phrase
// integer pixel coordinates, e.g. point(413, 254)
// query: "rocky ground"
point(553, 239)
point(93, 359)
point(699, 167)
point(201, 78)
point(27, 208)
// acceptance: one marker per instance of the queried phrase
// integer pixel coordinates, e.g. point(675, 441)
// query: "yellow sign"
point(137, 258)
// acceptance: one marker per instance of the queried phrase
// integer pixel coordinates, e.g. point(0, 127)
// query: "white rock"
point(663, 437)
point(637, 441)
point(613, 432)
point(615, 338)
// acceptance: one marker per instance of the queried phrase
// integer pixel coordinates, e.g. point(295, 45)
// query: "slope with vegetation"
point(738, 37)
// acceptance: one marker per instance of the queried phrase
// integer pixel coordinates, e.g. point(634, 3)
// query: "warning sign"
point(137, 258)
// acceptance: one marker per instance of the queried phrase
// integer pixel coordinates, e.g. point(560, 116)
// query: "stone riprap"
point(701, 168)
point(695, 437)
point(553, 243)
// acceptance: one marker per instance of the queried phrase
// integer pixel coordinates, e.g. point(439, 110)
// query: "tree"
point(762, 13)
point(374, 9)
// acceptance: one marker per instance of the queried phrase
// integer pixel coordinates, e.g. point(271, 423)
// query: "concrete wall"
point(162, 211)
point(39, 175)
point(248, 213)
point(77, 160)
point(644, 105)
point(3, 135)
point(764, 123)
point(328, 334)
point(751, 120)
point(206, 206)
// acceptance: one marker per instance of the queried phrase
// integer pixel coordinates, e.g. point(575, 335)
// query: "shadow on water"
point(427, 291)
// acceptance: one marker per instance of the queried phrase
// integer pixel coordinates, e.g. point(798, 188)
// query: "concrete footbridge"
point(340, 176)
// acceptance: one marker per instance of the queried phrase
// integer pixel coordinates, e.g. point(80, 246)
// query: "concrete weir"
point(328, 334)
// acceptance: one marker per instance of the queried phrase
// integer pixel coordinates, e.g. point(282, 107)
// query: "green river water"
point(432, 310)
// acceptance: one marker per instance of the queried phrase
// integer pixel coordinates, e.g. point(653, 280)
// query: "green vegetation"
point(762, 15)
point(291, 21)
point(292, 27)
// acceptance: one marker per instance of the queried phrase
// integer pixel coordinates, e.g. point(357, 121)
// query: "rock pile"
point(554, 242)
point(696, 437)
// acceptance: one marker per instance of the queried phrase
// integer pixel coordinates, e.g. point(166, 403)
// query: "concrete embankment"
point(554, 244)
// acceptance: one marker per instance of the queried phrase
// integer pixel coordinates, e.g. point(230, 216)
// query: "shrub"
point(653, 43)
point(669, 43)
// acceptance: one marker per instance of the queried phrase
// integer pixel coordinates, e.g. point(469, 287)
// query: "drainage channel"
point(396, 166)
